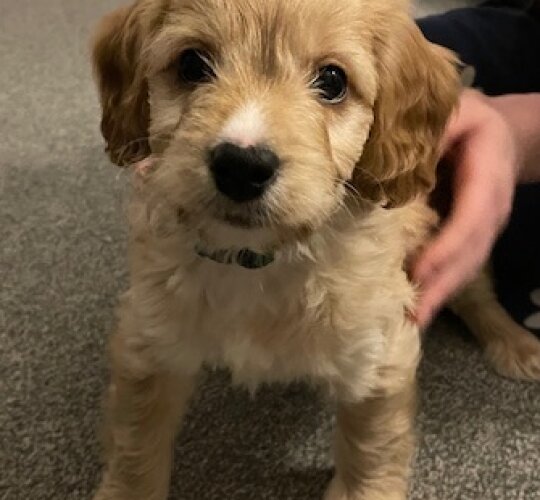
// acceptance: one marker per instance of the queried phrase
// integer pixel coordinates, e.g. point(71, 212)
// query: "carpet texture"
point(62, 264)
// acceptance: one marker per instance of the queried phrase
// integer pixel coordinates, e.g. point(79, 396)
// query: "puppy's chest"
point(249, 321)
point(279, 324)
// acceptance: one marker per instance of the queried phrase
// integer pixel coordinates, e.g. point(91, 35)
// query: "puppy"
point(288, 148)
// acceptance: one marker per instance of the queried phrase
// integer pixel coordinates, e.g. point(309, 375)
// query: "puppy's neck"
point(243, 257)
point(253, 248)
point(258, 248)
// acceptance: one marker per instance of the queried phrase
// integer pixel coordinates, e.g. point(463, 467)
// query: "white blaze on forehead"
point(246, 127)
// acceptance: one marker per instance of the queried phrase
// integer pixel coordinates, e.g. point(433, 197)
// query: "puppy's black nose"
point(243, 174)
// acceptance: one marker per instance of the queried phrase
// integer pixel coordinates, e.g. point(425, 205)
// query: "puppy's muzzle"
point(243, 173)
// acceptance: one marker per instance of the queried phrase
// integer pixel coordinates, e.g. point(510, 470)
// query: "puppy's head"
point(271, 113)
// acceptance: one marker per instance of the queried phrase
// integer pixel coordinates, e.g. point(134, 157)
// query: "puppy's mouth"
point(241, 220)
point(248, 216)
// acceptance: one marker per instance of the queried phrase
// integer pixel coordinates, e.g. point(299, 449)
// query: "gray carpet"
point(62, 244)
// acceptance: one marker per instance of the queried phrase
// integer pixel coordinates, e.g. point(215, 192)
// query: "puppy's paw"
point(105, 492)
point(516, 354)
point(337, 491)
point(109, 491)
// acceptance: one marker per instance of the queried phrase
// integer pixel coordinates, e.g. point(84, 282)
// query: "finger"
point(435, 295)
point(441, 251)
point(451, 260)
point(441, 285)
point(473, 219)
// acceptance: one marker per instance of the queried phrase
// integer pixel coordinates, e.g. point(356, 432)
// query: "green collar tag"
point(245, 257)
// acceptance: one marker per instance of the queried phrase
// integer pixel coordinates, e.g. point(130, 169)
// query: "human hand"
point(481, 148)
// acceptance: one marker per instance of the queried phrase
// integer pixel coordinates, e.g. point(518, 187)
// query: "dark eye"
point(194, 67)
point(331, 82)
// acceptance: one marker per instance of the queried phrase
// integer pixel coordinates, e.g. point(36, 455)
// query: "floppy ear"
point(418, 88)
point(122, 86)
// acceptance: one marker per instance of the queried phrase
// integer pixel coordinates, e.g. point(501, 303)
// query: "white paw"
point(337, 491)
point(533, 321)
point(516, 355)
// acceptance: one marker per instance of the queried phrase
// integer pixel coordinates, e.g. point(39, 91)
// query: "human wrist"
point(521, 112)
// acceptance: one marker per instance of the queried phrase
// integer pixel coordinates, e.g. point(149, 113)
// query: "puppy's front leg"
point(374, 444)
point(144, 411)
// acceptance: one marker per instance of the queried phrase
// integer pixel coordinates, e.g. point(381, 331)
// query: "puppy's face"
point(269, 113)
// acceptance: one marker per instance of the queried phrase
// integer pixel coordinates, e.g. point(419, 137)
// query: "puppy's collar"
point(244, 257)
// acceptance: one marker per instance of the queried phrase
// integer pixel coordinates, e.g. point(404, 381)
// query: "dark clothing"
point(503, 44)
